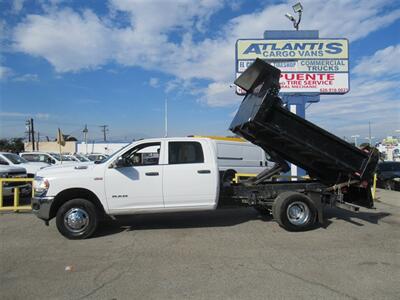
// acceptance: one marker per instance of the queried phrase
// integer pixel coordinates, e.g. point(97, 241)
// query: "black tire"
point(79, 213)
point(294, 211)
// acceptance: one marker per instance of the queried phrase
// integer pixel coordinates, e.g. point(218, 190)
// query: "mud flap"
point(359, 196)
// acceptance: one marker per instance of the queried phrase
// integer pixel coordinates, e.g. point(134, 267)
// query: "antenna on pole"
point(166, 117)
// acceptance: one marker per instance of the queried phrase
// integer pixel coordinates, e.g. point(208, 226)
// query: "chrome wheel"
point(298, 213)
point(76, 220)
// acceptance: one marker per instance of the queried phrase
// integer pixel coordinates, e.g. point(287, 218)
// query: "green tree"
point(15, 145)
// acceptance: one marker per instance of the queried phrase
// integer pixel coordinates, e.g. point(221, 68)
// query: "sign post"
point(309, 66)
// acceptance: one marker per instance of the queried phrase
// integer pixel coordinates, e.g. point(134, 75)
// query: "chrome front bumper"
point(41, 207)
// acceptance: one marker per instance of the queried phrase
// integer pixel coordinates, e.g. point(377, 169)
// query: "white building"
point(104, 148)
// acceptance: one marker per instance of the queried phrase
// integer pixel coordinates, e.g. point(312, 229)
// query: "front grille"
point(15, 175)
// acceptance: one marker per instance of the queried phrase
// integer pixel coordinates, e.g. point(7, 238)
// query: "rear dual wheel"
point(294, 211)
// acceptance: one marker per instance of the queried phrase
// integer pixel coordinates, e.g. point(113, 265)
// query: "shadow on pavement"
point(220, 218)
point(351, 217)
point(200, 219)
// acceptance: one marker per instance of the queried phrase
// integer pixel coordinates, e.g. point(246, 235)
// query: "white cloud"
point(373, 98)
point(154, 82)
point(383, 62)
point(159, 35)
point(26, 77)
point(17, 5)
point(222, 94)
point(41, 116)
point(68, 40)
point(5, 72)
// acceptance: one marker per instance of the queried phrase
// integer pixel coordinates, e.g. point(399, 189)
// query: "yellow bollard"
point(374, 188)
point(16, 198)
point(15, 207)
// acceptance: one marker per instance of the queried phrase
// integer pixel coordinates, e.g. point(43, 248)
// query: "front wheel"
point(77, 219)
point(294, 211)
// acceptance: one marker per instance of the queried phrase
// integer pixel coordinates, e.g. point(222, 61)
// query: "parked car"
point(45, 157)
point(81, 158)
point(7, 171)
point(96, 156)
point(12, 159)
point(388, 175)
point(69, 157)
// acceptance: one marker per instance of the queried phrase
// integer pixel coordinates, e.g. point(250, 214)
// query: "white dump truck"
point(182, 174)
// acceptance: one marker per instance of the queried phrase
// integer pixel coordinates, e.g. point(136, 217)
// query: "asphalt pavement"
point(227, 254)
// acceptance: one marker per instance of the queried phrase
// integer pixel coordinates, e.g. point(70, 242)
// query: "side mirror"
point(121, 162)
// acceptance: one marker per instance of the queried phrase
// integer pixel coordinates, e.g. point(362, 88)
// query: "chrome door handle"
point(152, 174)
point(204, 171)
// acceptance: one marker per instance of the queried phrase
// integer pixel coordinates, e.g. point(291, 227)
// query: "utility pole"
point(38, 140)
point(85, 132)
point(33, 135)
point(166, 117)
point(28, 129)
point(104, 131)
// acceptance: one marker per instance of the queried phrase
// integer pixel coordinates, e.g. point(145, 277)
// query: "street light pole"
point(166, 117)
point(355, 139)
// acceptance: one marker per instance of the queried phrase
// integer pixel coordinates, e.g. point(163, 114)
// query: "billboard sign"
point(307, 65)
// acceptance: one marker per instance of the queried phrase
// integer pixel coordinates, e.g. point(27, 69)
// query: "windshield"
point(56, 156)
point(15, 159)
point(67, 158)
point(81, 158)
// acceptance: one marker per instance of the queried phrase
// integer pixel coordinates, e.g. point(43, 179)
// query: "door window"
point(143, 155)
point(31, 157)
point(185, 153)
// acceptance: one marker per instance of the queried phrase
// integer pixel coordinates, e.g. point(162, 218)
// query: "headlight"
point(40, 185)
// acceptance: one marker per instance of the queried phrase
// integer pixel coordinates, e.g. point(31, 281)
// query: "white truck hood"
point(32, 168)
point(11, 169)
point(66, 170)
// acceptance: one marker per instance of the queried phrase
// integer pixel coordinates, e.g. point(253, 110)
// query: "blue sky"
point(70, 63)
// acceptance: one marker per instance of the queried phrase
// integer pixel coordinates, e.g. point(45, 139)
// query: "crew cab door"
point(134, 180)
point(190, 176)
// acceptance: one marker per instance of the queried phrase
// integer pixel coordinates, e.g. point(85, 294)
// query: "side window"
point(185, 153)
point(143, 155)
point(30, 157)
point(42, 158)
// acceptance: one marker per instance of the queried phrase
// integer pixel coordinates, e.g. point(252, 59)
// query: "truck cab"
point(155, 175)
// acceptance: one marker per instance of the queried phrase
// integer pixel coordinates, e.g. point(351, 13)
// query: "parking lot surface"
point(227, 254)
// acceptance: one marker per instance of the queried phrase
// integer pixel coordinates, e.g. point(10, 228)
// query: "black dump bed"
point(263, 120)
